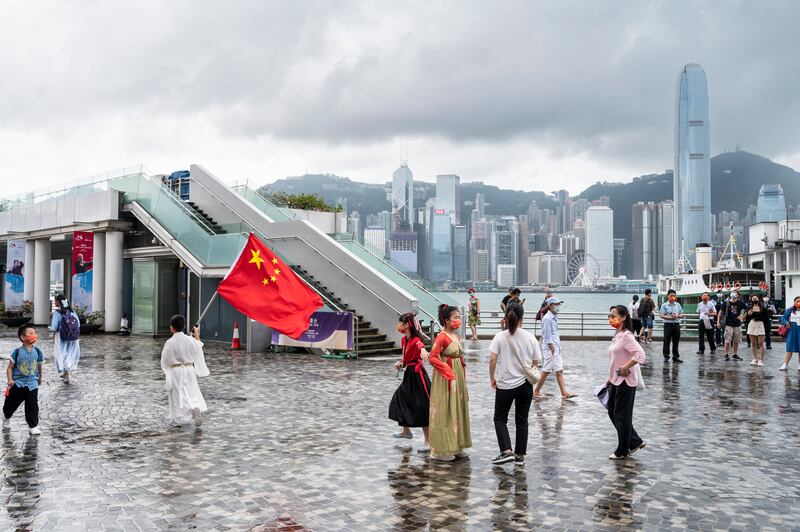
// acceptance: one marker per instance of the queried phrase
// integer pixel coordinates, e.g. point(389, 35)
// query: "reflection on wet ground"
point(295, 442)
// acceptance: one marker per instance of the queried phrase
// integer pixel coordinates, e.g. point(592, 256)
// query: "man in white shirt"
point(707, 315)
point(552, 350)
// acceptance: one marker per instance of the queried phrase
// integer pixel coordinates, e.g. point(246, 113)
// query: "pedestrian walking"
point(24, 374)
point(633, 310)
point(756, 318)
point(551, 349)
point(624, 376)
point(510, 351)
point(647, 309)
point(731, 318)
point(474, 313)
point(449, 431)
point(791, 319)
point(503, 305)
point(719, 301)
point(66, 328)
point(671, 313)
point(410, 405)
point(771, 311)
point(183, 361)
point(706, 317)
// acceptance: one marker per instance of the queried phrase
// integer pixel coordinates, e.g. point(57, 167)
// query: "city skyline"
point(341, 88)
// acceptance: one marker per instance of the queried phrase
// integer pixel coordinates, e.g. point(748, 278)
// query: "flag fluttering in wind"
point(263, 288)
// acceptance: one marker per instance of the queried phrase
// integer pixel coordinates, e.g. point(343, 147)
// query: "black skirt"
point(410, 403)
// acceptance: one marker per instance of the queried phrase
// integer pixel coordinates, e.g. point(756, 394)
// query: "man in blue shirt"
point(671, 314)
point(24, 374)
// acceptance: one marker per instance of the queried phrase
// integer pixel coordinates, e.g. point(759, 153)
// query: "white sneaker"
point(443, 457)
point(425, 448)
point(35, 431)
point(753, 362)
point(197, 416)
point(761, 363)
point(783, 367)
point(7, 421)
point(462, 454)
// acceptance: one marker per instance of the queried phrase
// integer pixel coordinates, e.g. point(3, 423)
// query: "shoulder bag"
point(531, 373)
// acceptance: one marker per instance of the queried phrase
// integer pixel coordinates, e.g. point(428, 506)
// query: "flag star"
point(273, 278)
point(274, 260)
point(277, 271)
point(256, 259)
point(265, 281)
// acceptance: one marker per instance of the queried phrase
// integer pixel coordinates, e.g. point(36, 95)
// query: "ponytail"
point(514, 313)
point(445, 311)
point(414, 327)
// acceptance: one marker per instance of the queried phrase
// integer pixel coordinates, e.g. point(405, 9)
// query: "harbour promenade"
point(296, 442)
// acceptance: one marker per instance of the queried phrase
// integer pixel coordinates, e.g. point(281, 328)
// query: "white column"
point(28, 273)
point(113, 279)
point(41, 286)
point(99, 273)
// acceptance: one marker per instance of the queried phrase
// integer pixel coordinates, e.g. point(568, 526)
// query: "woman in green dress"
point(449, 430)
point(474, 313)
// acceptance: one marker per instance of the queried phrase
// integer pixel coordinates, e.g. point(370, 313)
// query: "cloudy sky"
point(534, 95)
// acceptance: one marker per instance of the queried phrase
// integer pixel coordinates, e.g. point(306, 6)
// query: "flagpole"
point(205, 310)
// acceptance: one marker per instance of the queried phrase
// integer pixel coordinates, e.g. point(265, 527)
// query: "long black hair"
point(622, 312)
point(514, 314)
point(445, 311)
point(410, 319)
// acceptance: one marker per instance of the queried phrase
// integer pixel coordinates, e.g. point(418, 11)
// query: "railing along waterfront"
point(590, 325)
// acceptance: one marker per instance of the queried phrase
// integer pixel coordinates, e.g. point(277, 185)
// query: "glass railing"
point(275, 213)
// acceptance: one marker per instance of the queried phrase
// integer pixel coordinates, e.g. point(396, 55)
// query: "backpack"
point(646, 307)
point(70, 327)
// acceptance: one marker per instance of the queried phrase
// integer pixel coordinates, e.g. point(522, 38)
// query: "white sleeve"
point(200, 367)
point(536, 353)
point(494, 347)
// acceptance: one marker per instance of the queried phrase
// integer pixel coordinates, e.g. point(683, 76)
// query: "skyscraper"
point(504, 250)
point(460, 255)
point(771, 204)
point(402, 196)
point(479, 249)
point(692, 174)
point(441, 247)
point(448, 196)
point(600, 239)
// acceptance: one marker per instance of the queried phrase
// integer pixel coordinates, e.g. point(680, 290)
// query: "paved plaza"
point(294, 442)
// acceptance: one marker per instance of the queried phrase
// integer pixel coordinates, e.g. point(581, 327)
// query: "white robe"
point(182, 361)
point(66, 354)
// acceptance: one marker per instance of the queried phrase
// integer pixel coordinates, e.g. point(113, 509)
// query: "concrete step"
point(368, 346)
point(394, 351)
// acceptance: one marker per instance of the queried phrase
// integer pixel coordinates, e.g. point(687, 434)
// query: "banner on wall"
point(82, 258)
point(328, 330)
point(15, 274)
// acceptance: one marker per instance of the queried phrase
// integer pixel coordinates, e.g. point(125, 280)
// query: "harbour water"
point(573, 302)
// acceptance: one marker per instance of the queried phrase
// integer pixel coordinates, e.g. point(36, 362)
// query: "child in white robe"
point(182, 361)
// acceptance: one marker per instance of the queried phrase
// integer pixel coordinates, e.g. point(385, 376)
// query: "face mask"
point(401, 328)
point(705, 299)
point(614, 322)
point(672, 299)
point(455, 324)
point(797, 304)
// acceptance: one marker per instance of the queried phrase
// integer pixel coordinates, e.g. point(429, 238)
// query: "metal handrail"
point(291, 215)
point(180, 203)
point(301, 239)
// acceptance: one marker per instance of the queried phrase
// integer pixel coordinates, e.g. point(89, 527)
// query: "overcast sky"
point(530, 95)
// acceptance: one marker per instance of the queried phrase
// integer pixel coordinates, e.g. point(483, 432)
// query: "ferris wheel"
point(583, 270)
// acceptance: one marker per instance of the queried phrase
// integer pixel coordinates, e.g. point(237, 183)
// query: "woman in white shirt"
point(507, 377)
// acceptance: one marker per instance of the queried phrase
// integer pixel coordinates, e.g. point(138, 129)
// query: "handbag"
point(531, 373)
point(783, 330)
point(601, 392)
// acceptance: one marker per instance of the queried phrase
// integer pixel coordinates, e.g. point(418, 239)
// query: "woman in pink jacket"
point(623, 377)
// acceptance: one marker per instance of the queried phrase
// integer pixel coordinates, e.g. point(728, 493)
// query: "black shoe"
point(701, 353)
point(713, 351)
point(519, 459)
point(737, 357)
point(640, 446)
point(727, 357)
point(666, 358)
point(677, 359)
point(769, 347)
point(503, 458)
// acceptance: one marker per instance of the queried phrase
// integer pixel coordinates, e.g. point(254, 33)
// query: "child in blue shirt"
point(24, 377)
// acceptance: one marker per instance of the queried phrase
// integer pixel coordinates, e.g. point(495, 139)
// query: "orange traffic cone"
point(235, 344)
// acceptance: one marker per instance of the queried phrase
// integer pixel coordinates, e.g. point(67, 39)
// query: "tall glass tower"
point(771, 204)
point(692, 178)
point(403, 195)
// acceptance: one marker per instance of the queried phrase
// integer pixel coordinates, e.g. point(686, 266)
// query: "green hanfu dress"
point(449, 410)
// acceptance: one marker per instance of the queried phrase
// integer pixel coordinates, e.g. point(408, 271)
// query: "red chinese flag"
point(263, 288)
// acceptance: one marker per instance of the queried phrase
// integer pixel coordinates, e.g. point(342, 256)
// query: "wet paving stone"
point(294, 442)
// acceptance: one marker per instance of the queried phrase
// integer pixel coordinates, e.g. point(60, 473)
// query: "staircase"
point(211, 227)
point(369, 341)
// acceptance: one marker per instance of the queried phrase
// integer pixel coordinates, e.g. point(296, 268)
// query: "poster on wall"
point(82, 257)
point(329, 330)
point(15, 274)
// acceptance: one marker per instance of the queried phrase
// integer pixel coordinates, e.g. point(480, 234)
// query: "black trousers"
point(708, 333)
point(620, 410)
point(16, 396)
point(522, 396)
point(672, 334)
point(768, 327)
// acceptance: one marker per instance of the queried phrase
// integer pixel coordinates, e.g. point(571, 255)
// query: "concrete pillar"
point(41, 286)
point(28, 273)
point(99, 273)
point(113, 280)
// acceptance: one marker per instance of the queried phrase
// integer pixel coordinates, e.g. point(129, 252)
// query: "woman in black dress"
point(411, 402)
